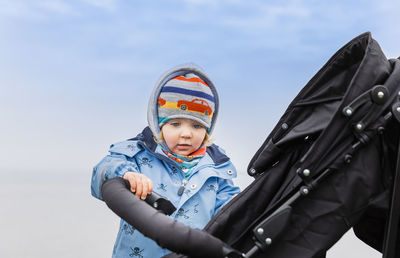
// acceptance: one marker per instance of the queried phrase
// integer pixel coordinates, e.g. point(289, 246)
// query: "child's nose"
point(186, 132)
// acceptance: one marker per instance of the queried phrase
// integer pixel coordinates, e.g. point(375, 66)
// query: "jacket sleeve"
point(226, 190)
point(113, 165)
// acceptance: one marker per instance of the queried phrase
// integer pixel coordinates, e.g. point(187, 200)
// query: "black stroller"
point(329, 165)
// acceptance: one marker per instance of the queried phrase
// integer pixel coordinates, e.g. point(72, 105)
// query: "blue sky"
point(73, 71)
point(76, 75)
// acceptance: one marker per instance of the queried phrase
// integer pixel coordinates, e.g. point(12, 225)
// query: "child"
point(174, 157)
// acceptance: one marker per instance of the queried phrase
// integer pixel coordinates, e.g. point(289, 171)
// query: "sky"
point(75, 77)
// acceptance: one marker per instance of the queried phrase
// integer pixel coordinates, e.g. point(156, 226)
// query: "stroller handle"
point(159, 227)
point(157, 201)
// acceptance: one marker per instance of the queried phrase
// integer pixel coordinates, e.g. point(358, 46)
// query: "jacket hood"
point(152, 113)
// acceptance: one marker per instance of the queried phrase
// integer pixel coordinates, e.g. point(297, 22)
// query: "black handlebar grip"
point(157, 201)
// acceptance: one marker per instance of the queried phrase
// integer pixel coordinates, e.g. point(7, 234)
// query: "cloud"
point(16, 8)
point(57, 7)
point(108, 5)
point(48, 9)
point(265, 16)
point(36, 9)
point(387, 23)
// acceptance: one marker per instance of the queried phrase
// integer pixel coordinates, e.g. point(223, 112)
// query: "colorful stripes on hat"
point(186, 96)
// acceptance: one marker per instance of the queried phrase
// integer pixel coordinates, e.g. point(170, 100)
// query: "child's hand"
point(141, 185)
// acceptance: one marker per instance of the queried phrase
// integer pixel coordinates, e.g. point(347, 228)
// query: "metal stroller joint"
point(252, 171)
point(285, 126)
point(379, 94)
point(306, 172)
point(396, 110)
point(347, 111)
point(305, 175)
point(269, 229)
point(304, 190)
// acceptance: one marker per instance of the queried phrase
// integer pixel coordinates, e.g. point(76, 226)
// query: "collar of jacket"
point(146, 136)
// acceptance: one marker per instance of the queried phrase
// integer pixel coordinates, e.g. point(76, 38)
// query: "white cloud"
point(36, 10)
point(42, 8)
point(267, 16)
point(387, 33)
point(57, 6)
point(109, 5)
point(16, 8)
point(208, 3)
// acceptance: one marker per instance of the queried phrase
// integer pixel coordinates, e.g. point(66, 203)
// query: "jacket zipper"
point(182, 187)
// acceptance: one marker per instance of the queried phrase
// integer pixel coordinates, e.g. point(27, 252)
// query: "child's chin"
point(182, 153)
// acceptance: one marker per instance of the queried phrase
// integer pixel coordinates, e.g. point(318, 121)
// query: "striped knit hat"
point(186, 96)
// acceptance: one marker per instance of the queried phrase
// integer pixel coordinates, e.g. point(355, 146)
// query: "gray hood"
point(152, 115)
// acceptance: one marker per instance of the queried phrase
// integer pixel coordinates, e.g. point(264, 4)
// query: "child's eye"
point(175, 124)
point(197, 126)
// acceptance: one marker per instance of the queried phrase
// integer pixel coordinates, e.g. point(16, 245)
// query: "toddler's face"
point(183, 136)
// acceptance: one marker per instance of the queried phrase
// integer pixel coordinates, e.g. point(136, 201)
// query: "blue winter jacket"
point(205, 192)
